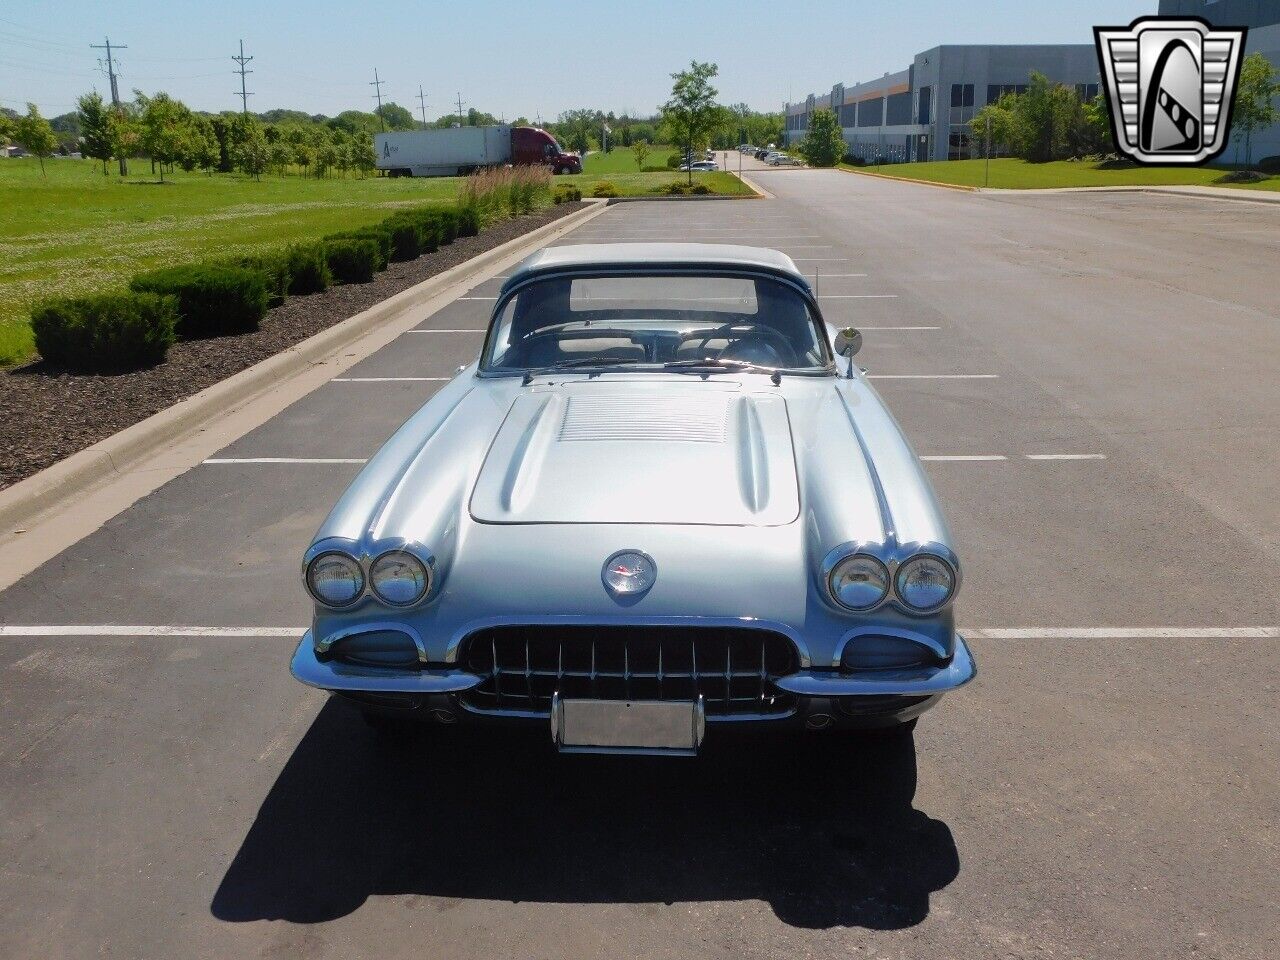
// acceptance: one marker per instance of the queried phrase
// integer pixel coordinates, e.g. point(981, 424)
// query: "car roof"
point(634, 256)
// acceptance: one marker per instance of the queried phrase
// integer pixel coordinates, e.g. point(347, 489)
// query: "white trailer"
point(442, 153)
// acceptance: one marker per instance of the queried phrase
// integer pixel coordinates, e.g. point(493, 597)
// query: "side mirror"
point(848, 342)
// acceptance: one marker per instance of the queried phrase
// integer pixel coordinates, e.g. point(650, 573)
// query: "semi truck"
point(456, 151)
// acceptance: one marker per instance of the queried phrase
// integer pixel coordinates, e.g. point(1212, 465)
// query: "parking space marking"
point(933, 376)
point(457, 299)
point(820, 259)
point(1124, 633)
point(829, 276)
point(1066, 456)
point(899, 328)
point(222, 461)
point(449, 330)
point(857, 296)
point(980, 458)
point(391, 379)
point(972, 633)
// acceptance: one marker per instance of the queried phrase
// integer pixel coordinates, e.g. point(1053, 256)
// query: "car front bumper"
point(867, 698)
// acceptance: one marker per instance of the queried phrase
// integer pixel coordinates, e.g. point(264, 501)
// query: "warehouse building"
point(923, 112)
point(1262, 17)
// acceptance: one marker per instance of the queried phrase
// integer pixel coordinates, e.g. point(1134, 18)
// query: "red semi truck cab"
point(533, 145)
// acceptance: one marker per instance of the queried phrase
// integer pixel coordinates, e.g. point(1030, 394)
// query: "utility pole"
point(987, 180)
point(461, 122)
point(422, 99)
point(115, 90)
point(244, 94)
point(377, 92)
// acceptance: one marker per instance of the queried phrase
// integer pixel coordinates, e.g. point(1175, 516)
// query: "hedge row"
point(119, 331)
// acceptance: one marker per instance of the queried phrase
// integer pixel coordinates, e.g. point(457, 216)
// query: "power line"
point(422, 99)
point(377, 92)
point(244, 94)
point(115, 91)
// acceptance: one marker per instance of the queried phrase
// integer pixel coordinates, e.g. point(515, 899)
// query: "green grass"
point(623, 160)
point(1020, 175)
point(619, 168)
point(77, 231)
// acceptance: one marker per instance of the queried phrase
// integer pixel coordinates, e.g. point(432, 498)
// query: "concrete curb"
point(923, 183)
point(1170, 190)
point(67, 481)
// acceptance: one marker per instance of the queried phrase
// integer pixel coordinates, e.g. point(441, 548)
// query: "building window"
point(1086, 91)
point(926, 105)
point(958, 146)
point(962, 95)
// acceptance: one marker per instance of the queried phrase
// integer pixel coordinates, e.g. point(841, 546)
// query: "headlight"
point(335, 579)
point(859, 582)
point(925, 583)
point(399, 578)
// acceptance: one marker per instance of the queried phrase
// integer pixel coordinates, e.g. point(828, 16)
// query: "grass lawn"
point(622, 160)
point(78, 232)
point(619, 168)
point(1020, 175)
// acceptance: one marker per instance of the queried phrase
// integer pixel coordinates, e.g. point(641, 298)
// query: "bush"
point(1269, 164)
point(854, 160)
point(674, 161)
point(307, 268)
point(676, 188)
point(604, 189)
point(213, 300)
point(450, 225)
point(352, 259)
point(700, 189)
point(406, 237)
point(1243, 176)
point(378, 234)
point(567, 195)
point(108, 332)
point(274, 269)
point(468, 220)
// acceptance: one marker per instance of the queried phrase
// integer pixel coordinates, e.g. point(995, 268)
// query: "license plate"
point(667, 727)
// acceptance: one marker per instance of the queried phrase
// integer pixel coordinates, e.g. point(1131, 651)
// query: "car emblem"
point(629, 573)
point(1170, 84)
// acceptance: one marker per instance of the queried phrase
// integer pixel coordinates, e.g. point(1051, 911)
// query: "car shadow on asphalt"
point(819, 826)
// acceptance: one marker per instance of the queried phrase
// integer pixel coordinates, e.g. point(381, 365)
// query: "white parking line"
point(828, 276)
point(233, 460)
point(1124, 633)
point(965, 459)
point(477, 298)
point(391, 379)
point(972, 633)
point(1066, 456)
point(449, 330)
point(857, 296)
point(820, 259)
point(933, 376)
point(899, 328)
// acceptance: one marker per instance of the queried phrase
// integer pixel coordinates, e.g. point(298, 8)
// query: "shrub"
point(674, 161)
point(406, 237)
point(213, 300)
point(567, 194)
point(380, 237)
point(854, 161)
point(450, 226)
point(308, 269)
point(274, 269)
point(468, 220)
point(1269, 164)
point(429, 229)
point(1243, 176)
point(108, 332)
point(676, 188)
point(352, 259)
point(604, 189)
point(701, 189)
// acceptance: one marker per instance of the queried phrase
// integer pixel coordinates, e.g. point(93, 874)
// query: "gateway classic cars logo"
point(1170, 82)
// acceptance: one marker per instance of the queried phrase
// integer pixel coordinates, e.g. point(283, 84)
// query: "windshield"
point(655, 321)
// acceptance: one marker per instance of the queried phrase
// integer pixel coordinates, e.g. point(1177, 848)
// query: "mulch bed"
point(47, 414)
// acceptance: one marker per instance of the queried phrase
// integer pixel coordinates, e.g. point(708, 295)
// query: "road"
point(1092, 381)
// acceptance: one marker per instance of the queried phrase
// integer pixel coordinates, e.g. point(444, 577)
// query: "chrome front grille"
point(732, 669)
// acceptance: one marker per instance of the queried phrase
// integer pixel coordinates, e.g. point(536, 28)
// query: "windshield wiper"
point(579, 362)
point(710, 363)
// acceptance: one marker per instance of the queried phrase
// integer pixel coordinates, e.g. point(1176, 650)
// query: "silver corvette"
point(660, 503)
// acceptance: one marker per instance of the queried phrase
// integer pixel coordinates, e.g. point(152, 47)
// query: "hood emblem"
point(629, 574)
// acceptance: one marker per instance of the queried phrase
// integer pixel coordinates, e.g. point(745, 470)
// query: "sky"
point(506, 58)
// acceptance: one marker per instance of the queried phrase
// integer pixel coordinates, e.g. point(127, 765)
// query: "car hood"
point(693, 453)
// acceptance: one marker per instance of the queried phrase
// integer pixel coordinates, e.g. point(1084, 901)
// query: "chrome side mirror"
point(848, 342)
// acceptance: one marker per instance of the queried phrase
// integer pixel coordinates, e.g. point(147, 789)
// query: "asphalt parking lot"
point(1092, 381)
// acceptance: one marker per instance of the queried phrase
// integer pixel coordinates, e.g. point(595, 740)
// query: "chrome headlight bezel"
point(875, 564)
point(356, 567)
point(926, 556)
point(411, 559)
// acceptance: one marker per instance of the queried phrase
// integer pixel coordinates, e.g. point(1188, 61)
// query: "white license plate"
point(667, 727)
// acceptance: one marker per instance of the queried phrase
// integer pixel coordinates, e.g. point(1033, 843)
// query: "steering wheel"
point(755, 332)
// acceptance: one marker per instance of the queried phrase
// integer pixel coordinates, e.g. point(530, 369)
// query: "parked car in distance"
point(783, 160)
point(700, 165)
point(762, 153)
point(660, 503)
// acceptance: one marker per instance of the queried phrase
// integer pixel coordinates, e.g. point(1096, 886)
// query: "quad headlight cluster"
point(923, 584)
point(397, 578)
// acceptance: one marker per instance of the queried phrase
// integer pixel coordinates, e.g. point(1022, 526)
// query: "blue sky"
point(504, 57)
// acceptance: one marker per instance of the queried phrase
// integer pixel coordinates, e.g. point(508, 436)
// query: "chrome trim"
point(308, 669)
point(934, 554)
point(426, 576)
point(919, 681)
point(364, 554)
point(924, 640)
point(847, 551)
point(345, 555)
point(323, 646)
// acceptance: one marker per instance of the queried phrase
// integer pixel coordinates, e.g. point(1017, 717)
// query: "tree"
point(398, 117)
point(95, 129)
point(576, 126)
point(122, 129)
point(33, 133)
point(199, 146)
point(7, 117)
point(1255, 101)
point(692, 113)
point(165, 126)
point(253, 153)
point(641, 151)
point(1097, 131)
point(823, 143)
